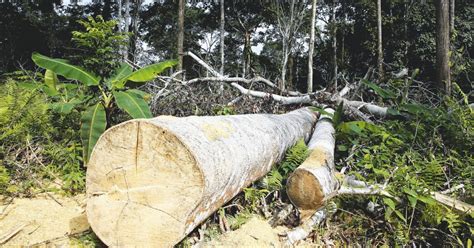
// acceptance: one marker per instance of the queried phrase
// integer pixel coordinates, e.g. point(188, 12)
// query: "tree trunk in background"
point(442, 45)
point(180, 34)
point(311, 47)
point(222, 36)
point(284, 63)
point(135, 23)
point(119, 15)
point(126, 28)
point(379, 39)
point(247, 53)
point(451, 16)
point(120, 21)
point(334, 42)
point(291, 74)
point(152, 181)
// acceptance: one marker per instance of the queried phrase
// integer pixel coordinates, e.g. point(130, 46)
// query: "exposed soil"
point(41, 221)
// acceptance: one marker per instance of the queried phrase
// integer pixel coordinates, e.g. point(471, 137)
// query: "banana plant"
point(113, 90)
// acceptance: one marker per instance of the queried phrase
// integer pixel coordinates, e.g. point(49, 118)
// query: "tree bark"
point(451, 16)
point(442, 45)
point(150, 182)
point(126, 29)
point(311, 47)
point(180, 34)
point(247, 54)
point(222, 31)
point(135, 24)
point(314, 180)
point(379, 39)
point(334, 42)
point(291, 72)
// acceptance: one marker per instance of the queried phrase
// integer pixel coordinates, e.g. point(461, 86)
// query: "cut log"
point(150, 182)
point(314, 180)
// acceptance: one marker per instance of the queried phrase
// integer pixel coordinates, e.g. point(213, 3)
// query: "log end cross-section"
point(146, 182)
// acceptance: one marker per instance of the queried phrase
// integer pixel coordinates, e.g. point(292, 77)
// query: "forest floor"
point(54, 220)
point(46, 220)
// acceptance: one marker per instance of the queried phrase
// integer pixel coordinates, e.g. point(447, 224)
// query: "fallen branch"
point(12, 232)
point(240, 80)
point(302, 231)
point(453, 203)
point(285, 100)
point(352, 107)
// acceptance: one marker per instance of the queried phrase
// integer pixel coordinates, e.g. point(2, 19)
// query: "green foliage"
point(93, 125)
point(427, 149)
point(149, 73)
point(275, 179)
point(101, 45)
point(61, 67)
point(132, 103)
point(86, 240)
point(239, 219)
point(224, 110)
point(4, 179)
point(36, 143)
point(96, 97)
point(294, 157)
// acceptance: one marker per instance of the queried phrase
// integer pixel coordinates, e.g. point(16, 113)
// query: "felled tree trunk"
point(151, 182)
point(314, 181)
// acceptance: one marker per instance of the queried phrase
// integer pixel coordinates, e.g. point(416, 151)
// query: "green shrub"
point(422, 150)
point(36, 143)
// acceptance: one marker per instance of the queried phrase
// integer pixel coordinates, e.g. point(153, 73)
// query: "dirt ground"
point(44, 221)
point(50, 220)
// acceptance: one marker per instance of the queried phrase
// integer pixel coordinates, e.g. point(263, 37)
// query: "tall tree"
point(442, 45)
point(451, 16)
point(126, 26)
point(135, 20)
point(379, 39)
point(334, 42)
point(245, 19)
point(222, 33)
point(311, 47)
point(180, 33)
point(288, 24)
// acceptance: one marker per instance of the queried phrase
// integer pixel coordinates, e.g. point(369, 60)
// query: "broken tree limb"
point(353, 107)
point(285, 100)
point(302, 231)
point(240, 80)
point(314, 180)
point(152, 181)
point(369, 108)
point(453, 203)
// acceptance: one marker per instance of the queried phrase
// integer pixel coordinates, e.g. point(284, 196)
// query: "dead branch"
point(453, 203)
point(353, 108)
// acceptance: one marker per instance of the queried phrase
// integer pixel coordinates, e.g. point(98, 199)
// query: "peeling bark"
point(152, 181)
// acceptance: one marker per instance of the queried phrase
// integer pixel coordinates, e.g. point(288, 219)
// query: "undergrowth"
point(418, 149)
point(421, 149)
point(38, 148)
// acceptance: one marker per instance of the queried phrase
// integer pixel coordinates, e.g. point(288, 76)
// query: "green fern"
point(239, 219)
point(273, 181)
point(4, 179)
point(294, 157)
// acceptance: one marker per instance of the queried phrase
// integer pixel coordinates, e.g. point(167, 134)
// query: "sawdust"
point(256, 232)
point(43, 221)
